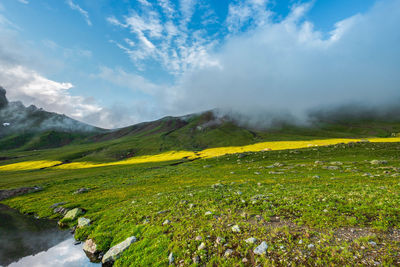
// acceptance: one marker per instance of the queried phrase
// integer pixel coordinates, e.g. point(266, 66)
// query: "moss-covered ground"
point(312, 206)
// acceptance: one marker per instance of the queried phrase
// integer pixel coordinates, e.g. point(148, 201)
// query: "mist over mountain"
point(16, 118)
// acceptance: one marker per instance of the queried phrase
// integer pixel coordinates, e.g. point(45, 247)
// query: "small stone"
point(166, 222)
point(372, 243)
point(82, 222)
point(310, 246)
point(378, 162)
point(55, 205)
point(228, 252)
point(171, 258)
point(202, 246)
point(251, 240)
point(198, 238)
point(236, 228)
point(81, 191)
point(261, 249)
point(220, 240)
point(90, 248)
point(196, 259)
point(208, 213)
point(245, 260)
point(300, 241)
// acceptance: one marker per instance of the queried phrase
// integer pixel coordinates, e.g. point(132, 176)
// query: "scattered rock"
point(236, 228)
point(73, 214)
point(218, 185)
point(90, 249)
point(208, 213)
point(55, 205)
point(378, 162)
point(332, 168)
point(261, 249)
point(82, 222)
point(61, 210)
point(202, 246)
point(166, 222)
point(228, 253)
point(171, 258)
point(196, 259)
point(115, 252)
point(310, 246)
point(198, 238)
point(81, 190)
point(251, 240)
point(219, 240)
point(163, 211)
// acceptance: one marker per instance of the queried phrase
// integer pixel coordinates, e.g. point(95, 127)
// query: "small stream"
point(26, 241)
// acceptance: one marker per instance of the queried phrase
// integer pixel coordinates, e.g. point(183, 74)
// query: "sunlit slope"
point(189, 155)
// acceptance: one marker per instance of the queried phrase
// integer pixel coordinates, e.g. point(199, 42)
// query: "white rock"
point(261, 249)
point(82, 222)
point(228, 252)
point(202, 246)
point(251, 240)
point(171, 258)
point(236, 228)
point(115, 252)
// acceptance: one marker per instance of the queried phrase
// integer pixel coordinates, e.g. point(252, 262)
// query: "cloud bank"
point(289, 67)
point(268, 67)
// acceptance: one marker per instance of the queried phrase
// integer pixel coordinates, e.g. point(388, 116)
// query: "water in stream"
point(26, 241)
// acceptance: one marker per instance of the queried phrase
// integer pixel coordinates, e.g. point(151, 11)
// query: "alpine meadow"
point(199, 133)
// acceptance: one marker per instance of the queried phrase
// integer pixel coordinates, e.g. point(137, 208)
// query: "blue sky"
point(115, 63)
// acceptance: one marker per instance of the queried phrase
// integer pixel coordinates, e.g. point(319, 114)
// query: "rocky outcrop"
point(115, 252)
point(18, 191)
point(3, 98)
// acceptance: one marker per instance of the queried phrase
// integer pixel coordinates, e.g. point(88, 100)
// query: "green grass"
point(290, 206)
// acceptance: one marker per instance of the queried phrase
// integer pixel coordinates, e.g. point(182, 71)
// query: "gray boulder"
point(261, 249)
point(115, 252)
point(82, 222)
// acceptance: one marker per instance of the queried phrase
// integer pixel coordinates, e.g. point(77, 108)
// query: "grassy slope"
point(340, 213)
point(175, 134)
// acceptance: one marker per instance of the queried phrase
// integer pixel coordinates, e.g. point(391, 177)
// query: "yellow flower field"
point(177, 155)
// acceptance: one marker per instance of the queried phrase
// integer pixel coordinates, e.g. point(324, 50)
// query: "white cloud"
point(83, 12)
point(144, 2)
point(288, 66)
point(23, 2)
point(247, 13)
point(124, 79)
point(171, 43)
point(30, 87)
